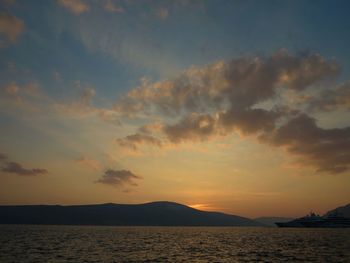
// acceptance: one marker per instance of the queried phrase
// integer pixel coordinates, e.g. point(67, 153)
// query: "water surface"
point(26, 243)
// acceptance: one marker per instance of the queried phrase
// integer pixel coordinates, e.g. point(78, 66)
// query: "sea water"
point(27, 243)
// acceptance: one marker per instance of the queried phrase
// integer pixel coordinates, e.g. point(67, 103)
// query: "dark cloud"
point(194, 127)
point(16, 168)
point(326, 149)
point(243, 95)
point(135, 140)
point(118, 178)
point(249, 121)
point(10, 29)
point(332, 99)
point(3, 157)
point(253, 80)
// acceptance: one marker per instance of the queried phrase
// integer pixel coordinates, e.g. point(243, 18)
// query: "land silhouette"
point(162, 213)
point(149, 214)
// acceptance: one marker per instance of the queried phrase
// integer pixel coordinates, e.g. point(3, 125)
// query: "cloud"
point(75, 6)
point(196, 89)
point(326, 149)
point(333, 99)
point(118, 178)
point(16, 168)
point(9, 2)
point(144, 136)
point(89, 163)
point(194, 127)
point(3, 157)
point(127, 42)
point(112, 7)
point(12, 90)
point(162, 13)
point(56, 76)
point(11, 28)
point(249, 121)
point(135, 140)
point(19, 92)
point(237, 84)
point(109, 116)
point(27, 97)
point(244, 95)
point(81, 106)
point(31, 98)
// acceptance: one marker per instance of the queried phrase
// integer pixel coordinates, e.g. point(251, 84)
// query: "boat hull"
point(323, 223)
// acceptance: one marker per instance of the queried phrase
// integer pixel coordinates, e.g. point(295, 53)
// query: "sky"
point(233, 106)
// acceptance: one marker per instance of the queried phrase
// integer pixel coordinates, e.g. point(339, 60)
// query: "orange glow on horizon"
point(204, 207)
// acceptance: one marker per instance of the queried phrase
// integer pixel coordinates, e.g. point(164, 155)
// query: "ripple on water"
point(171, 244)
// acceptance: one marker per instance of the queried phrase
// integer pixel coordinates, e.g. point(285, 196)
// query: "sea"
point(28, 243)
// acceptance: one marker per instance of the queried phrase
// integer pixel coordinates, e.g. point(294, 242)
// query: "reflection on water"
point(171, 244)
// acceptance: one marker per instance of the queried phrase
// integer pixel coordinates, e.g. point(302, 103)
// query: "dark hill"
point(340, 211)
point(149, 214)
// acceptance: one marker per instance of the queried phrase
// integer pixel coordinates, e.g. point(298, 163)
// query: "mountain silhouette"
point(149, 214)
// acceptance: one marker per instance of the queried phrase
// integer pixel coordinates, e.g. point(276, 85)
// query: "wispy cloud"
point(11, 28)
point(18, 93)
point(75, 6)
point(89, 163)
point(162, 13)
point(80, 106)
point(110, 6)
point(26, 97)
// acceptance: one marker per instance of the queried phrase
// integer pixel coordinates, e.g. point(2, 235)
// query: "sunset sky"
point(233, 106)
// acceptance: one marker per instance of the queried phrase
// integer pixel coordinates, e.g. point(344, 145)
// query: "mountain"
point(340, 211)
point(149, 214)
point(270, 221)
